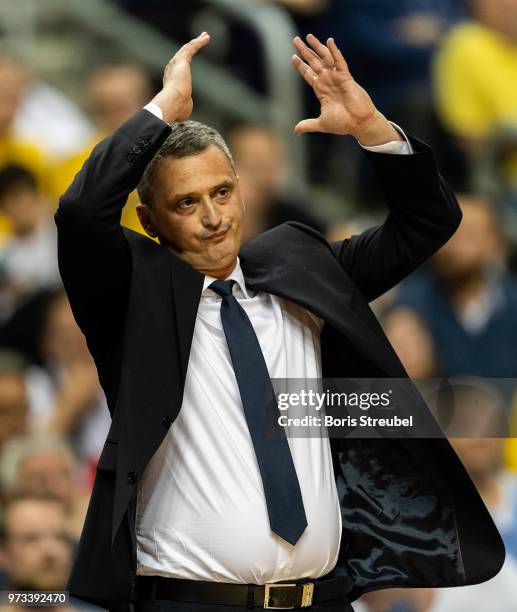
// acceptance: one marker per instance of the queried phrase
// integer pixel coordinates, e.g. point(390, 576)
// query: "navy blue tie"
point(281, 488)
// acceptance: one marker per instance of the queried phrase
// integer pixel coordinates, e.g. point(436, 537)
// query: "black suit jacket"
point(411, 515)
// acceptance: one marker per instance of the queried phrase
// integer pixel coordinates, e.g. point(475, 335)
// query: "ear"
point(145, 216)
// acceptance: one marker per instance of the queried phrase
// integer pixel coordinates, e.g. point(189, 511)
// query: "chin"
point(224, 253)
point(221, 259)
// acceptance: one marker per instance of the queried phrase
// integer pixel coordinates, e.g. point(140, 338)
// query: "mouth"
point(216, 235)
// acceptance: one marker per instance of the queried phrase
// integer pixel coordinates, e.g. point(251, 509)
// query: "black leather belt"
point(280, 595)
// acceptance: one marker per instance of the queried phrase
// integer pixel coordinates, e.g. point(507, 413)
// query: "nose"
point(211, 215)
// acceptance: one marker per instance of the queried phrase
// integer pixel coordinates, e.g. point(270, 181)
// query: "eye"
point(186, 203)
point(223, 192)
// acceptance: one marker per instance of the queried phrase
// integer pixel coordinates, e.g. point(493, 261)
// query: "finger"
point(321, 50)
point(308, 55)
point(191, 48)
point(307, 125)
point(306, 71)
point(198, 43)
point(339, 60)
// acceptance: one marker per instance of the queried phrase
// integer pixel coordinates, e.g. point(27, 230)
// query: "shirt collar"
point(236, 275)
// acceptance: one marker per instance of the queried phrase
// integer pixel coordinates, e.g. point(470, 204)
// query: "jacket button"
point(130, 157)
point(167, 421)
point(131, 477)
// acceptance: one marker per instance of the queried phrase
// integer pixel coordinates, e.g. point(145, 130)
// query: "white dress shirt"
point(201, 512)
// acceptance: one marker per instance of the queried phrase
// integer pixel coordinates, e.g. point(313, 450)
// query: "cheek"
point(235, 212)
point(179, 230)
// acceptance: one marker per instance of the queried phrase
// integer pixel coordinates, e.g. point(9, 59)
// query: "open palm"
point(175, 99)
point(345, 106)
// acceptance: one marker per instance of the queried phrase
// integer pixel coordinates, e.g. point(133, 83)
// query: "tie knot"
point(222, 287)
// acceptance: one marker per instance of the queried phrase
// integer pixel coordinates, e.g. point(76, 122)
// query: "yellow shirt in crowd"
point(476, 80)
point(65, 171)
point(14, 151)
point(54, 177)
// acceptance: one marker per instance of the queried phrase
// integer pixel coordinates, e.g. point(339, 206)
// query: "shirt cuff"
point(154, 109)
point(395, 147)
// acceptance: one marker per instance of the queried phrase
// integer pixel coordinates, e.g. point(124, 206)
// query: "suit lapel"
point(187, 285)
point(164, 300)
point(291, 263)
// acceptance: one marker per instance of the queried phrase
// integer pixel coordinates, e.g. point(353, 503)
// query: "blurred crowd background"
point(71, 72)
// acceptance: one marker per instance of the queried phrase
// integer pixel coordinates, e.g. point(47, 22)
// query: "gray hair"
point(186, 139)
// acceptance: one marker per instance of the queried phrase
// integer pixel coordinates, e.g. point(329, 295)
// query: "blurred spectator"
point(36, 549)
point(66, 395)
point(45, 463)
point(484, 460)
point(395, 37)
point(389, 46)
point(28, 258)
point(493, 172)
point(468, 299)
point(482, 413)
point(397, 600)
point(14, 79)
point(49, 119)
point(476, 95)
point(14, 150)
point(14, 405)
point(410, 337)
point(476, 73)
point(260, 162)
point(114, 92)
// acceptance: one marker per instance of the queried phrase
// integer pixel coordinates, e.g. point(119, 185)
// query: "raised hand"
point(175, 99)
point(346, 108)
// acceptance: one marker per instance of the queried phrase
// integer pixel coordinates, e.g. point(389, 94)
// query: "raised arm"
point(423, 212)
point(93, 254)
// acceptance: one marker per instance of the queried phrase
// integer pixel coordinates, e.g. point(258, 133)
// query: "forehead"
point(195, 173)
point(26, 513)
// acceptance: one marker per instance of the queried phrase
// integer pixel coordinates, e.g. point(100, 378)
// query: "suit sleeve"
point(423, 215)
point(93, 254)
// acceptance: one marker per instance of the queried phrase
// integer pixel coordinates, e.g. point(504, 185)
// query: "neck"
point(220, 273)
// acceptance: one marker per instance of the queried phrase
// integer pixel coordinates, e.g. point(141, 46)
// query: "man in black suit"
point(193, 508)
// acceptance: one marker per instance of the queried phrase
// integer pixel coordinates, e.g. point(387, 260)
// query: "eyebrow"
point(182, 196)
